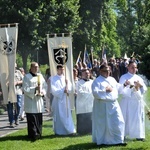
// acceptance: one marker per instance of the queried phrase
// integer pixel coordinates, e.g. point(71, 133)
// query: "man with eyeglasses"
point(132, 104)
point(107, 120)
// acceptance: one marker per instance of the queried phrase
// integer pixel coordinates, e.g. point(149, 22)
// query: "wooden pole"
point(8, 25)
point(65, 74)
point(78, 57)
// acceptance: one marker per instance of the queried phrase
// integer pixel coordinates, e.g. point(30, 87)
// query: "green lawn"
point(19, 140)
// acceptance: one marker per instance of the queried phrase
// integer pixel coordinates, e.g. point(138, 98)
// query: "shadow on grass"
point(25, 137)
point(15, 138)
point(82, 146)
point(88, 146)
point(66, 136)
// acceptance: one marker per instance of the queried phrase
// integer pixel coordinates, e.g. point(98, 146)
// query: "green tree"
point(134, 30)
point(26, 13)
point(36, 19)
point(58, 17)
point(98, 27)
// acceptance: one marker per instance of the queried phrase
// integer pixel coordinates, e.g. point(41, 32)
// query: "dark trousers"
point(84, 123)
point(13, 109)
point(34, 125)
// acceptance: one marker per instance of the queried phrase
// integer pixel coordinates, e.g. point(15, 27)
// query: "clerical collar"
point(86, 79)
point(130, 74)
point(60, 75)
point(34, 75)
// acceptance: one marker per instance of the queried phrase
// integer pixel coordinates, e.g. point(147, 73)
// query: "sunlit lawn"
point(19, 140)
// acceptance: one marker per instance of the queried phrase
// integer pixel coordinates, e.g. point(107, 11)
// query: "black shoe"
point(121, 144)
point(11, 125)
point(17, 122)
point(21, 119)
point(140, 139)
point(37, 136)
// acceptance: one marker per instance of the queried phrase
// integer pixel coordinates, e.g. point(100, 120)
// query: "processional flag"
point(79, 58)
point(104, 57)
point(8, 45)
point(86, 59)
point(60, 52)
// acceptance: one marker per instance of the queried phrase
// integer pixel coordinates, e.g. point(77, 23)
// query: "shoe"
point(121, 144)
point(11, 125)
point(140, 139)
point(37, 136)
point(16, 122)
point(21, 119)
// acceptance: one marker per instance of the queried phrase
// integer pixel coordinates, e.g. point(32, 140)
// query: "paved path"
point(4, 124)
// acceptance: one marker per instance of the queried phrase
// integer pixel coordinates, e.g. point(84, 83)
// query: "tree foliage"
point(118, 25)
point(36, 19)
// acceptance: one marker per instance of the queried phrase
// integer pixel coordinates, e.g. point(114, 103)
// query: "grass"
point(19, 140)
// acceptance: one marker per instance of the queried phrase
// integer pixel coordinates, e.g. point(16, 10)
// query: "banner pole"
point(65, 74)
point(8, 25)
point(78, 57)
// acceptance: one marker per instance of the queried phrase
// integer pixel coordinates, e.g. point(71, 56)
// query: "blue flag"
point(86, 59)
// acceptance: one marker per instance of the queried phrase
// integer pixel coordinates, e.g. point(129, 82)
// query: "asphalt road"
point(4, 124)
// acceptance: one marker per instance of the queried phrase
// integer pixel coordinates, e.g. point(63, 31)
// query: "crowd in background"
point(118, 66)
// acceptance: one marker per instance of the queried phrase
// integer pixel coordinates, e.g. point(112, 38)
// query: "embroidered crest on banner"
point(61, 54)
point(7, 47)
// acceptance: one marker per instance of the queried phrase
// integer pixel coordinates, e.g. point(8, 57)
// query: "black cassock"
point(34, 125)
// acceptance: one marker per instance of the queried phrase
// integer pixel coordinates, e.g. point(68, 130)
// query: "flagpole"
point(92, 55)
point(102, 51)
point(8, 25)
point(65, 74)
point(78, 57)
point(66, 83)
point(84, 54)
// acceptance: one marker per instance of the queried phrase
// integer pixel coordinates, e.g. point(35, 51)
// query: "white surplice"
point(62, 117)
point(32, 102)
point(132, 106)
point(107, 119)
point(84, 101)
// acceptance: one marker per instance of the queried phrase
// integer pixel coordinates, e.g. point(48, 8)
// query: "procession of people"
point(91, 90)
point(97, 109)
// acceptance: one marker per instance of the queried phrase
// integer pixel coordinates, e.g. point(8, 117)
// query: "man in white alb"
point(132, 104)
point(107, 120)
point(62, 117)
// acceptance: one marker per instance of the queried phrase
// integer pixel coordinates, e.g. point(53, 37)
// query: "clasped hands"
point(109, 89)
point(136, 85)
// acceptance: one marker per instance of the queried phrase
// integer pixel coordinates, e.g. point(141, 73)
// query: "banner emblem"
point(7, 47)
point(61, 54)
